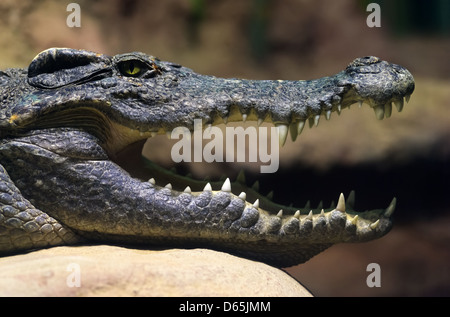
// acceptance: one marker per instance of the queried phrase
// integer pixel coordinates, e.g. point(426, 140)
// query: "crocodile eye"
point(132, 68)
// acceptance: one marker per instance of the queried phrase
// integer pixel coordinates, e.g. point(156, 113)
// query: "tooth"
point(255, 186)
point(390, 210)
point(280, 213)
point(169, 186)
point(339, 109)
point(300, 126)
point(360, 103)
point(244, 117)
point(152, 181)
point(187, 190)
point(407, 98)
point(260, 121)
point(328, 114)
point(207, 188)
point(256, 204)
point(243, 196)
point(351, 199)
point(294, 131)
point(225, 120)
point(270, 195)
point(399, 104)
point(341, 203)
point(297, 214)
point(320, 206)
point(153, 134)
point(309, 216)
point(308, 204)
point(316, 120)
point(282, 133)
point(374, 224)
point(388, 109)
point(354, 220)
point(379, 112)
point(241, 177)
point(322, 213)
point(226, 187)
point(169, 135)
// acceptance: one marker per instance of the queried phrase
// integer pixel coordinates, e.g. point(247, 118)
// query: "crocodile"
point(65, 119)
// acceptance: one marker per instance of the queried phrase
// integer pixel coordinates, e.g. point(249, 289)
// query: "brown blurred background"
point(406, 156)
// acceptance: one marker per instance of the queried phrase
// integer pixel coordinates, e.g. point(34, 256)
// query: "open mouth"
point(149, 160)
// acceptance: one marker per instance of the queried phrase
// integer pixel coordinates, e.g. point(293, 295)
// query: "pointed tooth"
point(226, 187)
point(351, 199)
point(339, 109)
point(322, 213)
point(333, 205)
point(390, 210)
point(260, 121)
point(300, 126)
point(374, 225)
point(407, 98)
point(388, 109)
point(309, 216)
point(243, 196)
point(280, 213)
point(294, 131)
point(354, 220)
point(152, 181)
point(255, 186)
point(297, 214)
point(399, 104)
point(244, 117)
point(328, 114)
point(169, 186)
point(256, 204)
point(207, 188)
point(308, 204)
point(320, 205)
point(169, 135)
point(187, 190)
point(360, 103)
point(282, 133)
point(316, 120)
point(270, 195)
point(241, 177)
point(341, 203)
point(379, 112)
point(225, 120)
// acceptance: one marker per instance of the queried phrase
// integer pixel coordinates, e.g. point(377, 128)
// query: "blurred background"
point(406, 156)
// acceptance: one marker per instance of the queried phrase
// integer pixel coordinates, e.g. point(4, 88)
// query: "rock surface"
point(116, 271)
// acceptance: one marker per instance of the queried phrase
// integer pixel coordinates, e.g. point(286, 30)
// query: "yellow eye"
point(132, 68)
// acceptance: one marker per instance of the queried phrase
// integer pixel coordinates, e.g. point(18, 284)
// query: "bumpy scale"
point(65, 118)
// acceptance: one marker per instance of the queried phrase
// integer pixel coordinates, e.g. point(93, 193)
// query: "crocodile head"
point(84, 108)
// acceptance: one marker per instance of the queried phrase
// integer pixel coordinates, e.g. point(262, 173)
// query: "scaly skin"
point(64, 119)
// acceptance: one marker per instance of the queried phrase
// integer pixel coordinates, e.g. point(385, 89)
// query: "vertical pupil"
point(131, 67)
